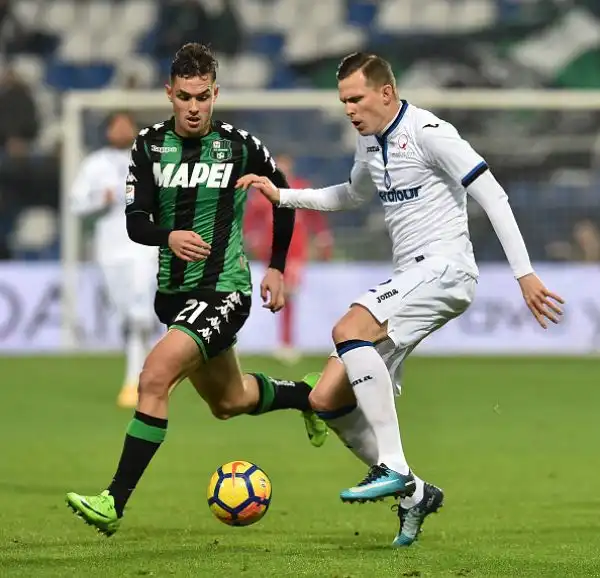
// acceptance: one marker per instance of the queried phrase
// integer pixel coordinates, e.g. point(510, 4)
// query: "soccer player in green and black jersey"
point(181, 196)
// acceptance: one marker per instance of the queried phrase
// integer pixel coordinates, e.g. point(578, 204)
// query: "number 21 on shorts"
point(193, 307)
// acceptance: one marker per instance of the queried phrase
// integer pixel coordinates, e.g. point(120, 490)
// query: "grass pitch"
point(513, 442)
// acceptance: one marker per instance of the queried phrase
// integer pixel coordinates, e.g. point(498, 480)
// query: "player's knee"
point(358, 323)
point(225, 409)
point(154, 382)
point(344, 330)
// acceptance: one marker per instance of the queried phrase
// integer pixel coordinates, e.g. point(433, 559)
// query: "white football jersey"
point(102, 171)
point(421, 170)
point(420, 167)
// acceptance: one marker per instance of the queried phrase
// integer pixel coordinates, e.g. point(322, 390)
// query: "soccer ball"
point(239, 493)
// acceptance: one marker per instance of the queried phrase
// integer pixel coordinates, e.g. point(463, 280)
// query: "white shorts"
point(415, 303)
point(131, 286)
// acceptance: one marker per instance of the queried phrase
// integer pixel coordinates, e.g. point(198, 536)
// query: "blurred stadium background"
point(511, 441)
point(547, 158)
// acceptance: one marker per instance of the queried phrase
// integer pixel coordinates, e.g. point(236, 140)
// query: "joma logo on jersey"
point(191, 175)
point(399, 196)
point(387, 295)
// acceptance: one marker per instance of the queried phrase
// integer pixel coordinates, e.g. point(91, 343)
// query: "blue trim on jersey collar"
point(390, 129)
point(382, 140)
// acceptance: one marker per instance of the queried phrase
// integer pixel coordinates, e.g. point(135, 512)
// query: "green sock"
point(144, 436)
point(277, 394)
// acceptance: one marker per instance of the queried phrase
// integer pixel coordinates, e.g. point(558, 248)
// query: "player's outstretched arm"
point(262, 165)
point(348, 195)
point(261, 184)
point(542, 302)
point(457, 158)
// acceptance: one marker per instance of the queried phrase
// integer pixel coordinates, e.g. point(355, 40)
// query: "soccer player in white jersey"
point(422, 170)
point(129, 269)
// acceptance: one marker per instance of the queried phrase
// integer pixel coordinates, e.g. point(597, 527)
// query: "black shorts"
point(211, 318)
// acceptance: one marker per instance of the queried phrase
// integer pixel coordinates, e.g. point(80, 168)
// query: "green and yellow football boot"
point(98, 511)
point(316, 428)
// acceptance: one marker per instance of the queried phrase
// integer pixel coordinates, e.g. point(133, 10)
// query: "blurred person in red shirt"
point(311, 237)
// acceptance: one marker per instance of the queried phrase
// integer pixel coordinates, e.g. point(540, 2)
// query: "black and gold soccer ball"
point(239, 493)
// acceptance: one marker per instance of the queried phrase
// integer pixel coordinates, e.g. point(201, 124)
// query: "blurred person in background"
point(182, 20)
point(129, 269)
point(311, 237)
point(18, 37)
point(27, 179)
point(587, 241)
point(584, 245)
point(18, 113)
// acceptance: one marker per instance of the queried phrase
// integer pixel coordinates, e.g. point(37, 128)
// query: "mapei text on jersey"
point(190, 175)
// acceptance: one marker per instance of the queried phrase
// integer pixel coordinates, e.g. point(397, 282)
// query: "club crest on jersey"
point(221, 150)
point(401, 142)
point(402, 147)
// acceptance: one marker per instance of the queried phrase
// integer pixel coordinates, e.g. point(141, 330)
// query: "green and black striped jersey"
point(189, 184)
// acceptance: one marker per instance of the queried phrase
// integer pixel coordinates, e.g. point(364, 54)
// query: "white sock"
point(407, 503)
point(355, 432)
point(135, 352)
point(373, 389)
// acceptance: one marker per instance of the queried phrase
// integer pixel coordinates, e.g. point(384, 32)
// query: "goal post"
point(154, 104)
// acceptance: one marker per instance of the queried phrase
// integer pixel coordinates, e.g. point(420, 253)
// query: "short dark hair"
point(115, 114)
point(376, 70)
point(194, 59)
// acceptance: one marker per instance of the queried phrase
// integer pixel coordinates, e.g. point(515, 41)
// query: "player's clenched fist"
point(272, 290)
point(263, 184)
point(188, 246)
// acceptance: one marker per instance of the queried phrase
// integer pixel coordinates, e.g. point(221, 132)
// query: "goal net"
point(543, 146)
